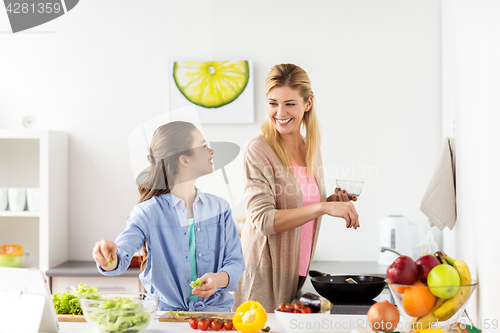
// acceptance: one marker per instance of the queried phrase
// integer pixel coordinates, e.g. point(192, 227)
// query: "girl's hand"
point(211, 281)
point(344, 210)
point(209, 286)
point(341, 195)
point(104, 254)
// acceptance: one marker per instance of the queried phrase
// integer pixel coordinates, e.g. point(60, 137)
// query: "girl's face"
point(201, 162)
point(286, 109)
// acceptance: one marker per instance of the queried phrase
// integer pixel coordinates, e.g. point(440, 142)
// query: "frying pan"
point(335, 288)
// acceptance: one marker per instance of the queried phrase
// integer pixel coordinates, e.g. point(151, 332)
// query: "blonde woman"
point(186, 234)
point(285, 193)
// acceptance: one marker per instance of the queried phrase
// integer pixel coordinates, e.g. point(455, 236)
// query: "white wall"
point(471, 72)
point(101, 70)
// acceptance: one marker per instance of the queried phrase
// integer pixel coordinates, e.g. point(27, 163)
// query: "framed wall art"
point(222, 90)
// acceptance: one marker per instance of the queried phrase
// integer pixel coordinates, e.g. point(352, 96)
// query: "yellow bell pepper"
point(250, 317)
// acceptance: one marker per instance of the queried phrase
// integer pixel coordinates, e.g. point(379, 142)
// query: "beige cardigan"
point(272, 259)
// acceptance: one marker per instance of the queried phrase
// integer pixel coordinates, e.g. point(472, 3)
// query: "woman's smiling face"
point(286, 109)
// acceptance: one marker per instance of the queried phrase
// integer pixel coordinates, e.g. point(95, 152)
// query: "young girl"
point(184, 233)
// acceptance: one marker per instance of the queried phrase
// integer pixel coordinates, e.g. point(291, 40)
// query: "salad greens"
point(196, 283)
point(119, 315)
point(69, 302)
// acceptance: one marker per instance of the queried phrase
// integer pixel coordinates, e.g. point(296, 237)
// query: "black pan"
point(335, 288)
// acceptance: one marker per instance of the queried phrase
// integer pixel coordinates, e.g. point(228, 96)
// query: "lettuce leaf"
point(120, 315)
point(69, 302)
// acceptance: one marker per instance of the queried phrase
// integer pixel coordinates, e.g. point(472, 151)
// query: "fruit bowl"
point(302, 322)
point(420, 309)
point(119, 312)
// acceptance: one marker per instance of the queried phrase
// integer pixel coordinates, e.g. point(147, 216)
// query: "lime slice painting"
point(217, 87)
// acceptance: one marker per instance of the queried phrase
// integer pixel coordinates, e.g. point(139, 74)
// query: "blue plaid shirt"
point(162, 222)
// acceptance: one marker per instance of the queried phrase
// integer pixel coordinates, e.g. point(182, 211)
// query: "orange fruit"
point(399, 290)
point(418, 300)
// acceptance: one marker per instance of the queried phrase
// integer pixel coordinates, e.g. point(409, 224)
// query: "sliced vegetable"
point(250, 317)
point(196, 283)
point(316, 303)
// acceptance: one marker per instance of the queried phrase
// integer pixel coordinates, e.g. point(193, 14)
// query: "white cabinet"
point(37, 158)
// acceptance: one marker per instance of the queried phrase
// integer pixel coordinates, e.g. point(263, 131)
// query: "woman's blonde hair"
point(292, 76)
point(169, 143)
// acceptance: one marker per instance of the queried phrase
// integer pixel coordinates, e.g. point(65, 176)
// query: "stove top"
point(357, 308)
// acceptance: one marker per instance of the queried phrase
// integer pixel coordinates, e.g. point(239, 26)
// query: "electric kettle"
point(396, 238)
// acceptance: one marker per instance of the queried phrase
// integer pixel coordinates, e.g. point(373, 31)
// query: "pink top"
point(310, 195)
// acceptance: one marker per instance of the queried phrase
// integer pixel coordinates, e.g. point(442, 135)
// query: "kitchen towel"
point(438, 203)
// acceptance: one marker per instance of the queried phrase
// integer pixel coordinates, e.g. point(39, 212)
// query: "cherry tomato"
point(193, 323)
point(228, 325)
point(203, 325)
point(298, 305)
point(216, 325)
point(307, 310)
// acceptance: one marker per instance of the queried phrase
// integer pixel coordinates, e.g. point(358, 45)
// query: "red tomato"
point(228, 325)
point(307, 310)
point(193, 323)
point(216, 325)
point(298, 305)
point(203, 325)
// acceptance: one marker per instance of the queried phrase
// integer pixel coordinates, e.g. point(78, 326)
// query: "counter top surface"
point(88, 268)
point(337, 323)
point(85, 268)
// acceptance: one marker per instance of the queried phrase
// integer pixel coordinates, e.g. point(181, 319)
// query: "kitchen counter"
point(79, 269)
point(337, 324)
point(85, 268)
point(88, 268)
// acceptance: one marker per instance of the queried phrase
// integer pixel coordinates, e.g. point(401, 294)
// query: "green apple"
point(443, 281)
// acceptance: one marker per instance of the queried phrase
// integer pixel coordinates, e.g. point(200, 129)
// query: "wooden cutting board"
point(70, 318)
point(169, 317)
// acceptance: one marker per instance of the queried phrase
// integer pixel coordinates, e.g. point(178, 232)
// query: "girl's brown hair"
point(290, 75)
point(169, 142)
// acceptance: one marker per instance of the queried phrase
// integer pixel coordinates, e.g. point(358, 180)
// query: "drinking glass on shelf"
point(17, 198)
point(3, 198)
point(33, 199)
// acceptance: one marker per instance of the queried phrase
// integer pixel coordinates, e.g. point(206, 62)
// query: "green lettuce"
point(69, 302)
point(119, 315)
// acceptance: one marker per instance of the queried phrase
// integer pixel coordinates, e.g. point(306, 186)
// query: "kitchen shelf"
point(9, 213)
point(37, 158)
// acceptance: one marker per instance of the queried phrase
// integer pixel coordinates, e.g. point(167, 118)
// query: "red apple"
point(403, 271)
point(424, 266)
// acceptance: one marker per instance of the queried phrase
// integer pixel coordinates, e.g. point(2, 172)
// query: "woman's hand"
point(104, 254)
point(344, 210)
point(211, 281)
point(341, 195)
